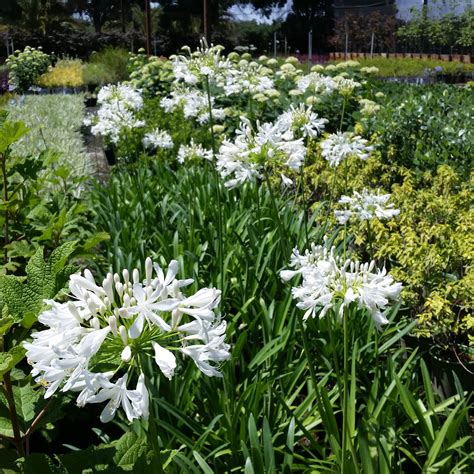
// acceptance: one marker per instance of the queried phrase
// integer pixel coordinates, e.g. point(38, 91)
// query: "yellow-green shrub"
point(66, 73)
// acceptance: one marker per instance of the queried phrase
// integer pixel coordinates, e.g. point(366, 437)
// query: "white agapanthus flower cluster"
point(329, 283)
point(193, 151)
point(366, 206)
point(118, 106)
point(246, 157)
point(195, 104)
point(316, 83)
point(205, 61)
point(158, 139)
point(302, 121)
point(121, 323)
point(339, 146)
point(246, 78)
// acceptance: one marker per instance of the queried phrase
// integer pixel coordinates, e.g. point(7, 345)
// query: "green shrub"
point(113, 60)
point(26, 67)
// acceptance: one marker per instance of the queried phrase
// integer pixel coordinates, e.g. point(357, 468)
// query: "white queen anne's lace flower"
point(135, 318)
point(328, 282)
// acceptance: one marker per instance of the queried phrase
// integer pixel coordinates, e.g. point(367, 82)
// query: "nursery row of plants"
point(32, 70)
point(275, 277)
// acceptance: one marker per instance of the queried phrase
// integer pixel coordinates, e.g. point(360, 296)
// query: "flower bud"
point(113, 325)
point(123, 335)
point(126, 354)
point(148, 270)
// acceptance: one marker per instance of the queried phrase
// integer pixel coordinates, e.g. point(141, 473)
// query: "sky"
point(247, 12)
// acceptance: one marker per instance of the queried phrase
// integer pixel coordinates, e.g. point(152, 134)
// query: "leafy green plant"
point(25, 67)
point(21, 301)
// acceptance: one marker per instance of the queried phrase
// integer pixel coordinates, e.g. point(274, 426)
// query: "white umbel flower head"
point(157, 139)
point(328, 282)
point(337, 147)
point(366, 206)
point(134, 317)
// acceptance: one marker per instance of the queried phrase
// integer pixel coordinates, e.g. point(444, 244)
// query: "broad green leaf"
point(5, 324)
point(6, 428)
point(10, 132)
point(45, 279)
point(129, 449)
point(28, 402)
point(9, 359)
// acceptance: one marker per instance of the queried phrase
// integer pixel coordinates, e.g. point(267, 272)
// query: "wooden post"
point(286, 46)
point(372, 45)
point(148, 27)
point(347, 46)
point(274, 44)
point(310, 46)
point(204, 20)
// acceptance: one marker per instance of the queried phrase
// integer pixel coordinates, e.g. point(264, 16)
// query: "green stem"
point(342, 114)
point(283, 237)
point(305, 203)
point(6, 237)
point(345, 413)
point(220, 235)
point(346, 435)
point(369, 238)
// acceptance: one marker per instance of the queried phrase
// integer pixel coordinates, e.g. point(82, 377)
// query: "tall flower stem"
point(305, 202)
point(6, 236)
point(346, 432)
point(281, 229)
point(342, 114)
point(369, 238)
point(220, 235)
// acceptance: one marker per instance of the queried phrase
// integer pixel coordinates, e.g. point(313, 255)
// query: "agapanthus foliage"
point(332, 283)
point(98, 342)
point(365, 206)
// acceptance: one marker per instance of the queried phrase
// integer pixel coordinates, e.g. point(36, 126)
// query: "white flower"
point(328, 282)
point(158, 139)
point(165, 360)
point(193, 151)
point(302, 120)
point(131, 316)
point(118, 395)
point(202, 354)
point(366, 206)
point(118, 105)
point(245, 158)
point(316, 83)
point(339, 146)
